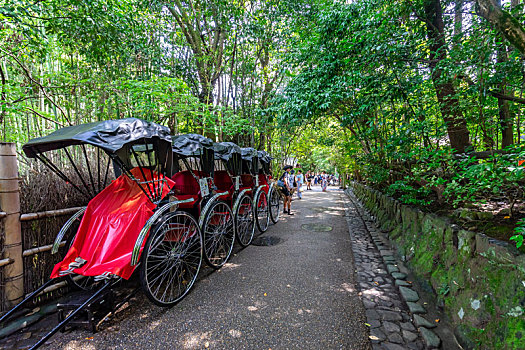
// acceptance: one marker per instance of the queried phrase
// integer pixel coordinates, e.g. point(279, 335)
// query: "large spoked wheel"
point(262, 211)
point(275, 201)
point(171, 259)
point(245, 221)
point(218, 234)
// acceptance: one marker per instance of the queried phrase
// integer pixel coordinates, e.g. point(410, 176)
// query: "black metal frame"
point(197, 163)
point(227, 166)
point(264, 162)
point(89, 193)
point(122, 162)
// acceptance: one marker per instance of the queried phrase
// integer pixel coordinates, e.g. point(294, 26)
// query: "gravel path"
point(298, 294)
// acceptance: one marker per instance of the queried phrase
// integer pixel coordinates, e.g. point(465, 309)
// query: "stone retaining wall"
point(478, 280)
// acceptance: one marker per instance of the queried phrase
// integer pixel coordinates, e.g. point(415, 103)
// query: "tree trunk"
point(206, 38)
point(509, 26)
point(446, 94)
point(505, 118)
point(458, 17)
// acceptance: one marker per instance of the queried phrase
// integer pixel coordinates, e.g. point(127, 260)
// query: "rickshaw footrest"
point(88, 318)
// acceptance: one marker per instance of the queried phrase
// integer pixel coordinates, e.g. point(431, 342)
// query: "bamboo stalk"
point(10, 203)
point(48, 214)
point(5, 262)
point(54, 287)
point(58, 285)
point(45, 248)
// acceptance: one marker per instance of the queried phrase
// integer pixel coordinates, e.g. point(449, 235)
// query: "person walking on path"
point(324, 181)
point(293, 183)
point(309, 178)
point(299, 179)
point(285, 186)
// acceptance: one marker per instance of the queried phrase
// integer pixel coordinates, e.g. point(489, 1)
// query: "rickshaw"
point(250, 181)
point(228, 178)
point(134, 223)
point(265, 161)
point(194, 161)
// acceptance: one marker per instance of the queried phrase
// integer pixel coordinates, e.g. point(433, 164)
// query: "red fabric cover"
point(110, 227)
point(263, 181)
point(224, 183)
point(247, 181)
point(222, 180)
point(186, 186)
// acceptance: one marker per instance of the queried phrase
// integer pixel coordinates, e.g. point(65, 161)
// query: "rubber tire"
point(244, 244)
point(154, 232)
point(273, 193)
point(262, 226)
point(203, 230)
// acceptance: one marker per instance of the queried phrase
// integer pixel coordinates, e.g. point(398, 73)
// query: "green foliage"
point(366, 66)
point(518, 238)
point(408, 193)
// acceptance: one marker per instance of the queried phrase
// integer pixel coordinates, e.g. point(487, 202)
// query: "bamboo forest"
point(411, 110)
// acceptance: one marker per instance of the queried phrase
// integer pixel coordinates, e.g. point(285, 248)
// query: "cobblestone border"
point(392, 308)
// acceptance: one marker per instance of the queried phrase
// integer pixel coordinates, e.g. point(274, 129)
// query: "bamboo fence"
point(25, 238)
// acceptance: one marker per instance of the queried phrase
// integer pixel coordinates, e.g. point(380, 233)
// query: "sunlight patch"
point(196, 340)
point(317, 227)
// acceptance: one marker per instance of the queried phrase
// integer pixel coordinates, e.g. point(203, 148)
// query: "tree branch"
point(496, 94)
point(28, 74)
point(509, 26)
point(3, 95)
point(46, 118)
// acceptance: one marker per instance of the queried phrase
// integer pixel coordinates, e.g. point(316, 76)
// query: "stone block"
point(466, 243)
point(495, 250)
point(416, 308)
point(474, 267)
point(409, 294)
point(420, 321)
point(389, 315)
point(431, 339)
point(391, 327)
point(399, 275)
point(402, 283)
point(377, 335)
point(395, 338)
point(467, 214)
point(409, 336)
point(408, 326)
point(392, 268)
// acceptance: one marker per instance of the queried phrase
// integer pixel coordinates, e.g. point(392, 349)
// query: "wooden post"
point(10, 204)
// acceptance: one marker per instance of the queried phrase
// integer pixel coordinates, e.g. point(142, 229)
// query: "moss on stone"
point(481, 280)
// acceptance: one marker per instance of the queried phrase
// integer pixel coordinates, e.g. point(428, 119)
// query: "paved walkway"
point(299, 294)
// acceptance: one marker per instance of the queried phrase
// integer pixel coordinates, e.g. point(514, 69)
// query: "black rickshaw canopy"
point(250, 160)
point(109, 135)
point(196, 147)
point(129, 143)
point(230, 154)
point(265, 161)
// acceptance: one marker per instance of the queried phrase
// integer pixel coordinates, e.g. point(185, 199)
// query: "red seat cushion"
point(186, 186)
point(247, 180)
point(262, 179)
point(222, 181)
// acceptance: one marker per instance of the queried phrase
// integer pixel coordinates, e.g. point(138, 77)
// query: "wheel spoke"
point(172, 259)
point(218, 235)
